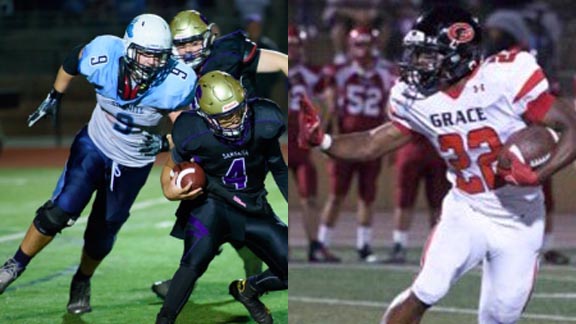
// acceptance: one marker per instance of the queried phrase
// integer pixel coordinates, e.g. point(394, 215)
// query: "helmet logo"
point(229, 106)
point(461, 32)
point(130, 28)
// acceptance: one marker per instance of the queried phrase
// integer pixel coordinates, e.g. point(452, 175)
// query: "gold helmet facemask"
point(190, 26)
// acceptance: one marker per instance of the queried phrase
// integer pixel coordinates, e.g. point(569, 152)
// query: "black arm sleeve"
point(70, 64)
point(278, 168)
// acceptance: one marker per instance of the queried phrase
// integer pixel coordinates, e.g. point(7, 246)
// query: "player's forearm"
point(68, 70)
point(272, 61)
point(368, 145)
point(165, 181)
point(62, 81)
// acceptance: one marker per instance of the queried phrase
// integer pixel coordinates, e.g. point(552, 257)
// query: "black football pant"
point(207, 228)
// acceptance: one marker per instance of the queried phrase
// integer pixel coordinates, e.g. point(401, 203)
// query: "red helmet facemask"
point(361, 42)
point(295, 40)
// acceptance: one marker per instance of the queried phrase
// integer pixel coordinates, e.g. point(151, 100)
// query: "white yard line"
point(439, 309)
point(83, 218)
point(554, 295)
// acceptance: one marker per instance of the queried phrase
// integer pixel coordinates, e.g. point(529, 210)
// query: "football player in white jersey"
point(136, 83)
point(467, 108)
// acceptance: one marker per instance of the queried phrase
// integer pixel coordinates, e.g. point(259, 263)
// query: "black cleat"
point(317, 252)
point(556, 257)
point(397, 255)
point(79, 302)
point(365, 254)
point(164, 317)
point(242, 292)
point(160, 288)
point(8, 273)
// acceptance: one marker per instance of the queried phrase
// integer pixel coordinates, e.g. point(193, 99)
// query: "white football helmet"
point(148, 46)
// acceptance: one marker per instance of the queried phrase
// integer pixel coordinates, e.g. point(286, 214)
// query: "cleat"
point(8, 273)
point(397, 255)
point(242, 292)
point(556, 257)
point(160, 288)
point(79, 302)
point(319, 253)
point(365, 254)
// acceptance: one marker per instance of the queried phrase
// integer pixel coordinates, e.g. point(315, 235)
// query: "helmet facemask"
point(229, 125)
point(442, 48)
point(192, 35)
point(146, 59)
point(143, 64)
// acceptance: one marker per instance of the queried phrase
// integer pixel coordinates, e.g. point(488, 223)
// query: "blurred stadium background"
point(353, 292)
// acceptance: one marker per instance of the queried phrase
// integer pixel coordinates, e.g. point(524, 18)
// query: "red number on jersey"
point(473, 184)
point(504, 57)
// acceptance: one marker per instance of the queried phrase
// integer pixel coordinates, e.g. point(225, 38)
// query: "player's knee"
point(501, 311)
point(51, 219)
point(499, 314)
point(98, 249)
point(431, 292)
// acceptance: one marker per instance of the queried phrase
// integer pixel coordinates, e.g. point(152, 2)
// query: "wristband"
point(55, 94)
point(326, 142)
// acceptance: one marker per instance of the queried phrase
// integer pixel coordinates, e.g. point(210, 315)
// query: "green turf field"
point(359, 293)
point(144, 253)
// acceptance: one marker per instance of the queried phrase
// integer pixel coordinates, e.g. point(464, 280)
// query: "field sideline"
point(144, 253)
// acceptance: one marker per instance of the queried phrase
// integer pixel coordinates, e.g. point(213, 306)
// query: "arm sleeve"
point(278, 167)
point(72, 61)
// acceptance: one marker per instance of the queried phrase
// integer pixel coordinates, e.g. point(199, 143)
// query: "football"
point(532, 145)
point(189, 172)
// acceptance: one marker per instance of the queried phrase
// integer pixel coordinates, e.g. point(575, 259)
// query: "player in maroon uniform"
point(356, 94)
point(303, 79)
point(415, 162)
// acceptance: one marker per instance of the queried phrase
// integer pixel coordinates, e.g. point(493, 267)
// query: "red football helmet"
point(361, 41)
point(296, 39)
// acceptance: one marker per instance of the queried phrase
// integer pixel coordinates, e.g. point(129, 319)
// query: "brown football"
point(189, 172)
point(532, 145)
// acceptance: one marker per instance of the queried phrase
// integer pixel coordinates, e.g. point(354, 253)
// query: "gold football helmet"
point(221, 101)
point(189, 26)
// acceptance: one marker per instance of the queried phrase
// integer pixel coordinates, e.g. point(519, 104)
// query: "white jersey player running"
point(467, 108)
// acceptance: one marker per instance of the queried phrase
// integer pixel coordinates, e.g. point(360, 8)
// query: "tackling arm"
point(66, 73)
point(272, 61)
point(562, 118)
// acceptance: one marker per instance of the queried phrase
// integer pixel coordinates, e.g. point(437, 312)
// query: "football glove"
point(49, 106)
point(519, 174)
point(154, 144)
point(310, 133)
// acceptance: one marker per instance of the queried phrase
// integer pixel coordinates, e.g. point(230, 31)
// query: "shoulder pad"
point(187, 130)
point(239, 41)
point(269, 121)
